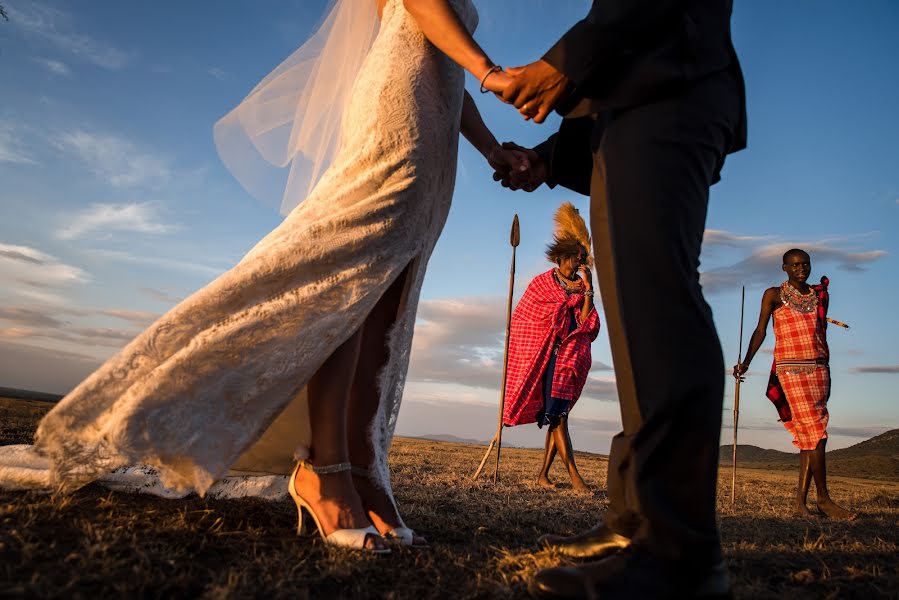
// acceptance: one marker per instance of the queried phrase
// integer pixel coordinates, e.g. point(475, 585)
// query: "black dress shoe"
point(632, 575)
point(594, 543)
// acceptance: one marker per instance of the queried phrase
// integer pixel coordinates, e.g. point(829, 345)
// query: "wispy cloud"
point(163, 263)
point(29, 317)
point(460, 341)
point(864, 432)
point(55, 26)
point(764, 259)
point(32, 267)
point(116, 159)
point(601, 388)
point(54, 323)
point(138, 318)
point(160, 295)
point(884, 369)
point(719, 237)
point(11, 148)
point(217, 72)
point(859, 432)
point(54, 66)
point(83, 336)
point(133, 217)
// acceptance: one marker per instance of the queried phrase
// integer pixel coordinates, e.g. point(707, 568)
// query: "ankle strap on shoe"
point(326, 469)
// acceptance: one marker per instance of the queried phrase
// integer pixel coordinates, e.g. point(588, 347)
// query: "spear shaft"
point(514, 240)
point(733, 481)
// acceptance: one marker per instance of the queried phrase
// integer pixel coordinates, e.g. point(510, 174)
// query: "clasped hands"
point(534, 90)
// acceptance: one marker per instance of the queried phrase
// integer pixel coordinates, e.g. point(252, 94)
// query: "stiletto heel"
point(303, 529)
point(346, 538)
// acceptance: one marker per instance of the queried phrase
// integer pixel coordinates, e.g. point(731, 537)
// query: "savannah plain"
point(97, 543)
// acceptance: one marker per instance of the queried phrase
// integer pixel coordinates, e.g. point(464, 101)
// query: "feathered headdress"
point(571, 232)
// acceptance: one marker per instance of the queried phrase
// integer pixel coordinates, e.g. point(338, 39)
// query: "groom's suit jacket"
point(625, 53)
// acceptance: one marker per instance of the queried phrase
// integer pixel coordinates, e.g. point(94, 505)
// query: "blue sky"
point(114, 204)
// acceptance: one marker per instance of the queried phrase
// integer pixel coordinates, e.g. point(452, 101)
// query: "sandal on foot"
point(345, 538)
point(398, 536)
point(403, 536)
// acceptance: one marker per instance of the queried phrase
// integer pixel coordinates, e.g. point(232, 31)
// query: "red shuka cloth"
point(542, 314)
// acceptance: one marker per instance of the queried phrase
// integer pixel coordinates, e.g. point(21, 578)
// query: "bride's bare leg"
point(364, 401)
point(333, 497)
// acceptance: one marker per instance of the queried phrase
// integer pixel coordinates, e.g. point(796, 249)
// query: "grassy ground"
point(96, 543)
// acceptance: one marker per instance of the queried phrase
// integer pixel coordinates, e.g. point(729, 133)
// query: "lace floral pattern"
point(195, 390)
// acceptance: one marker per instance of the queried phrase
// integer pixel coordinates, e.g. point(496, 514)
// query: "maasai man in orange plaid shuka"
point(549, 344)
point(800, 377)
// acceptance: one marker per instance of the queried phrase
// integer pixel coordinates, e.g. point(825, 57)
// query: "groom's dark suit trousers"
point(652, 169)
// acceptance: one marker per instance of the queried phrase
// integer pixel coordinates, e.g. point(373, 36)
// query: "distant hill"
point(876, 458)
point(749, 453)
point(6, 392)
point(445, 437)
point(885, 444)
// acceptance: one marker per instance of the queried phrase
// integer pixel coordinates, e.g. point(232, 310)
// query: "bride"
point(300, 352)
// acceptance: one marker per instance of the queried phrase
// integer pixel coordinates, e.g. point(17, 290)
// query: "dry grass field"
point(96, 543)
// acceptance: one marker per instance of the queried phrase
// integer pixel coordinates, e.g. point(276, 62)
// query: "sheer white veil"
point(281, 138)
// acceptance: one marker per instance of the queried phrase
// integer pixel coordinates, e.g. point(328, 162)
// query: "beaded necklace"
point(566, 284)
point(804, 303)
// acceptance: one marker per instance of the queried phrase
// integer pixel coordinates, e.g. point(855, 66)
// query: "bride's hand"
point(497, 82)
point(509, 160)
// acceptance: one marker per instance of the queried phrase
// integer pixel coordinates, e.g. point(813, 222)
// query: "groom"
point(653, 100)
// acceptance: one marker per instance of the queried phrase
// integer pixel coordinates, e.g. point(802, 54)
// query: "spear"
point(733, 481)
point(514, 240)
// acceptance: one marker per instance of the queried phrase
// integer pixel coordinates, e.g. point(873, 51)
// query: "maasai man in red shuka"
point(800, 377)
point(549, 344)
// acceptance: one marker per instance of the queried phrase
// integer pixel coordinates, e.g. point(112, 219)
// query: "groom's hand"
point(535, 89)
point(528, 180)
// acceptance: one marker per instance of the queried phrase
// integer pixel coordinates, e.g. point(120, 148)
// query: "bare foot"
point(335, 503)
point(545, 483)
point(380, 508)
point(834, 510)
point(580, 486)
point(802, 511)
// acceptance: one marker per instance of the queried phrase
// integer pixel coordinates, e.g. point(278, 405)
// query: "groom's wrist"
point(544, 151)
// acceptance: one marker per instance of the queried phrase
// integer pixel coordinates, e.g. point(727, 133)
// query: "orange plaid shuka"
point(801, 369)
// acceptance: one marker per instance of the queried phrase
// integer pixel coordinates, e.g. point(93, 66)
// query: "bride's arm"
point(442, 27)
point(476, 131)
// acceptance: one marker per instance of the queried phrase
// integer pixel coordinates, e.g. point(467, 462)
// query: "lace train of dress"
point(219, 381)
point(25, 470)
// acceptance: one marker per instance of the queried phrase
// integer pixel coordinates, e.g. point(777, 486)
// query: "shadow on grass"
point(96, 543)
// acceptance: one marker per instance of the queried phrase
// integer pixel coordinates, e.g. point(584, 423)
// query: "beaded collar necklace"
point(567, 285)
point(804, 303)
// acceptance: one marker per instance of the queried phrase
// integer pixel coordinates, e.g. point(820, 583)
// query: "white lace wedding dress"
point(218, 382)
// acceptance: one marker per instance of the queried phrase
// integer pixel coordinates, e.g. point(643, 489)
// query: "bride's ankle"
point(377, 501)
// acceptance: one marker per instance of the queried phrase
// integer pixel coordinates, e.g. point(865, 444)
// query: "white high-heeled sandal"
point(346, 538)
point(402, 535)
